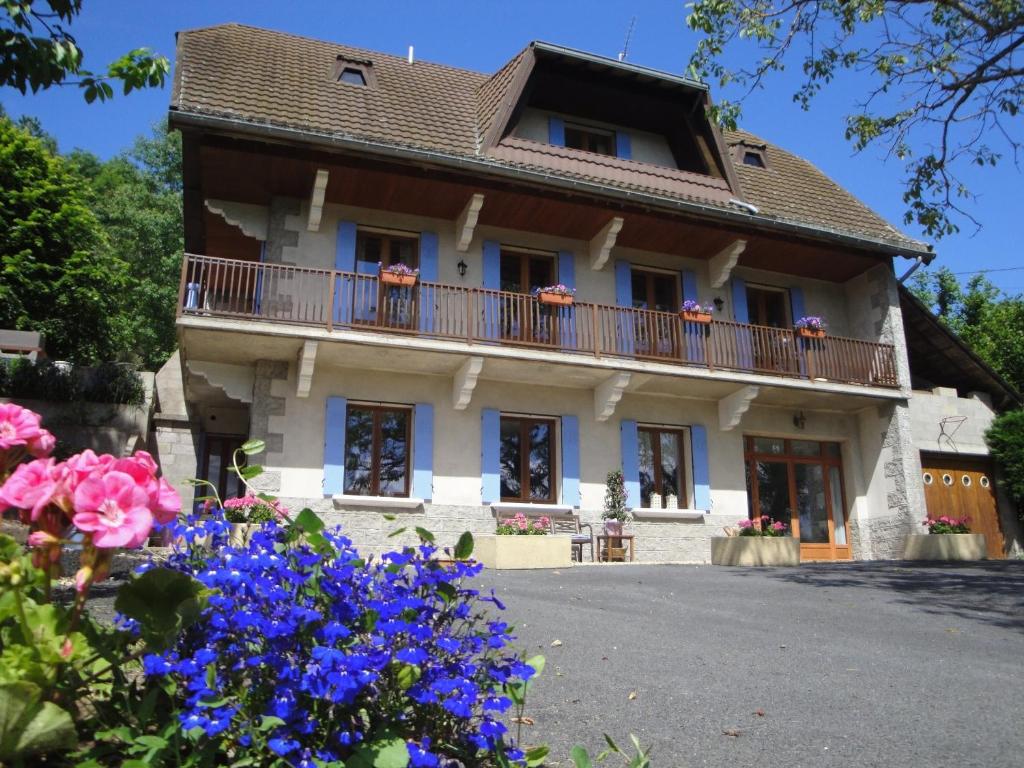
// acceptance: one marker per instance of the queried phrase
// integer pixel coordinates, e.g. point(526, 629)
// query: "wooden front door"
point(959, 486)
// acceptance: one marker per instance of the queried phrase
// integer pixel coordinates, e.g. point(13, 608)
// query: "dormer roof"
point(254, 80)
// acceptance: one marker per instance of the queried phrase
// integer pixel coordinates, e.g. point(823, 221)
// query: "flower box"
point(755, 550)
point(558, 299)
point(392, 278)
point(523, 552)
point(811, 333)
point(945, 546)
point(695, 317)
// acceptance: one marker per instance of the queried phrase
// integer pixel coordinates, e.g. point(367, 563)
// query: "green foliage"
point(640, 759)
point(990, 322)
point(1005, 439)
point(163, 602)
point(947, 78)
point(56, 277)
point(20, 378)
point(40, 52)
point(615, 503)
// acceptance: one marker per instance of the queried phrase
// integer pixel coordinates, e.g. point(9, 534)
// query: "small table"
point(603, 552)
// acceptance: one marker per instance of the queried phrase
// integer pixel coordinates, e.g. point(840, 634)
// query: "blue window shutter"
point(334, 445)
point(694, 334)
point(344, 261)
point(490, 455)
point(701, 478)
point(429, 270)
point(623, 146)
point(624, 298)
point(689, 285)
point(796, 303)
point(423, 452)
point(571, 461)
point(631, 462)
point(567, 268)
point(567, 315)
point(491, 305)
point(556, 131)
point(739, 301)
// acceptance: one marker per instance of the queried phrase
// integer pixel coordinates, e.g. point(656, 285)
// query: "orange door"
point(963, 487)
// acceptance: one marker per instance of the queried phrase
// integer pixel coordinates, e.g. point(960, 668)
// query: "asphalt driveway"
point(859, 664)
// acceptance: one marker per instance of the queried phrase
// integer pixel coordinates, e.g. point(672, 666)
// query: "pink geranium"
point(32, 487)
point(114, 508)
point(42, 445)
point(18, 426)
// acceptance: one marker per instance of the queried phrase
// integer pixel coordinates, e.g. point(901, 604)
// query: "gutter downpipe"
point(387, 150)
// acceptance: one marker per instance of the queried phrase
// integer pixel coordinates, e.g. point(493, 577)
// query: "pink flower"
point(745, 523)
point(114, 508)
point(17, 425)
point(164, 502)
point(778, 526)
point(42, 539)
point(42, 445)
point(31, 487)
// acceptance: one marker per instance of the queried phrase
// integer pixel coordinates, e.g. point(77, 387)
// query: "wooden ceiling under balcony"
point(250, 172)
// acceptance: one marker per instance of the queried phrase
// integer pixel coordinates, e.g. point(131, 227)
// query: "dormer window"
point(357, 72)
point(754, 158)
point(589, 139)
point(750, 154)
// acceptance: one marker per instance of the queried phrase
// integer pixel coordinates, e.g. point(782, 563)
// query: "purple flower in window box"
point(811, 327)
point(693, 312)
point(555, 294)
point(398, 274)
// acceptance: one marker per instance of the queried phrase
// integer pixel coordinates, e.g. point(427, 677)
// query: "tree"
point(136, 197)
point(38, 61)
point(990, 322)
point(946, 78)
point(57, 277)
point(1005, 439)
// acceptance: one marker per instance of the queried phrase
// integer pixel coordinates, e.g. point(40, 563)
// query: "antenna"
point(629, 35)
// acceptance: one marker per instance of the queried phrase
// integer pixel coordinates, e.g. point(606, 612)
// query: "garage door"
point(963, 487)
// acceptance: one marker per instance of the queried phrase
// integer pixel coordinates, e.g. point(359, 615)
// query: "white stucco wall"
point(944, 423)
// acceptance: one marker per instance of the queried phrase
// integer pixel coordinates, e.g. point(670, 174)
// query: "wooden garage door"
point(963, 487)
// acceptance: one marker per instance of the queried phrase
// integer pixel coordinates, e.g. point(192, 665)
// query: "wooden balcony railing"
point(333, 299)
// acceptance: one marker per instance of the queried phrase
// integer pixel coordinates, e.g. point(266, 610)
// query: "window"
point(589, 139)
point(388, 248)
point(218, 464)
point(377, 450)
point(352, 76)
point(751, 157)
point(658, 291)
point(768, 306)
point(527, 459)
point(523, 271)
point(656, 335)
point(662, 466)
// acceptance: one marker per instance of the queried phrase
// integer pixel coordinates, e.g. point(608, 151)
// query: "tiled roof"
point(281, 80)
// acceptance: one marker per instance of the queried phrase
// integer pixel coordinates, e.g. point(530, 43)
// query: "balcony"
point(334, 300)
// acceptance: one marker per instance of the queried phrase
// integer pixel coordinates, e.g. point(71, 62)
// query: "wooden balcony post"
point(181, 287)
point(470, 302)
point(595, 330)
point(332, 288)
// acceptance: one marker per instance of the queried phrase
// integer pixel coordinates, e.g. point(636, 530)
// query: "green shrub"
point(20, 378)
point(1005, 440)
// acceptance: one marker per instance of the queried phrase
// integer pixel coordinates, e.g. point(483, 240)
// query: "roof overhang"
point(482, 165)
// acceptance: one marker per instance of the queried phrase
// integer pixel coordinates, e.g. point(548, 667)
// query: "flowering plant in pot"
point(559, 294)
point(521, 525)
point(694, 312)
point(811, 327)
point(947, 525)
point(762, 526)
point(247, 513)
point(616, 510)
point(398, 274)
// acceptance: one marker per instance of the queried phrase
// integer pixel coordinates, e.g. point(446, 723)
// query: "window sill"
point(518, 506)
point(346, 501)
point(668, 514)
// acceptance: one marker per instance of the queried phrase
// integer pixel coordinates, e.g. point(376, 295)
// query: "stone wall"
point(174, 443)
point(267, 420)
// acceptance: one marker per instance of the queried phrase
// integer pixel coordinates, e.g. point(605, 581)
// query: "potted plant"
point(616, 510)
point(948, 538)
point(559, 295)
point(521, 542)
point(693, 312)
point(811, 327)
point(761, 541)
point(246, 514)
point(398, 274)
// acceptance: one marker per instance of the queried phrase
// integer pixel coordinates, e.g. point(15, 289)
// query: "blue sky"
point(482, 36)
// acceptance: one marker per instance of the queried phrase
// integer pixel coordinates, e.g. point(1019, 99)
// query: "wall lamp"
point(718, 302)
point(461, 266)
point(799, 420)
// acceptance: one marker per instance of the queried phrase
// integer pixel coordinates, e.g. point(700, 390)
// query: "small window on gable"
point(754, 158)
point(589, 139)
point(358, 72)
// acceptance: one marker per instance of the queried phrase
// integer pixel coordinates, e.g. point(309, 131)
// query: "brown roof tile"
point(282, 80)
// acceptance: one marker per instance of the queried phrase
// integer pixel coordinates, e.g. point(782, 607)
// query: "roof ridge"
point(360, 49)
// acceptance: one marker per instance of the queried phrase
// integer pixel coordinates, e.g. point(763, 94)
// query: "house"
point(309, 166)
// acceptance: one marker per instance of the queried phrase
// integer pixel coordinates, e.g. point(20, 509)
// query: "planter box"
point(240, 534)
point(523, 552)
point(390, 278)
point(811, 333)
point(695, 317)
point(755, 550)
point(945, 546)
point(558, 299)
